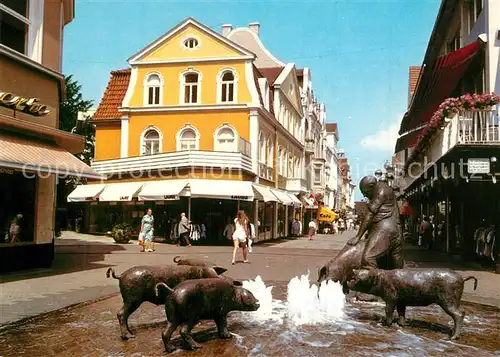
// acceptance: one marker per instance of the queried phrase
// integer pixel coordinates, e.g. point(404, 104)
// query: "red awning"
point(443, 79)
point(408, 140)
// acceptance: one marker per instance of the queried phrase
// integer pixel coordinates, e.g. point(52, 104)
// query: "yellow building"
point(192, 127)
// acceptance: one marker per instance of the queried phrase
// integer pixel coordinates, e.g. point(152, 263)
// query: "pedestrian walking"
point(426, 231)
point(296, 228)
point(240, 235)
point(184, 230)
point(312, 229)
point(147, 229)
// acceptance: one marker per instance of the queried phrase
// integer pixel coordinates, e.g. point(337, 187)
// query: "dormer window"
point(191, 43)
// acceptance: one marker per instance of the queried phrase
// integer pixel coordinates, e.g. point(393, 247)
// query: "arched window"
point(280, 161)
point(151, 142)
point(270, 156)
point(190, 90)
point(227, 87)
point(153, 89)
point(262, 148)
point(225, 139)
point(188, 139)
point(290, 166)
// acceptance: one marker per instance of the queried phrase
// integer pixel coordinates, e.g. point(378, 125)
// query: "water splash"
point(307, 305)
point(304, 304)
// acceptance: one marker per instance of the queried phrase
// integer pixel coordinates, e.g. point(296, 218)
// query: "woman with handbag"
point(147, 230)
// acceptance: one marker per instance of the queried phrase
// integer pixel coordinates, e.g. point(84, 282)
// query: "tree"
point(69, 110)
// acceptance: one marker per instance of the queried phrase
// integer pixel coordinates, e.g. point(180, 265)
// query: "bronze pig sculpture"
point(400, 288)
point(202, 299)
point(195, 262)
point(137, 285)
point(340, 269)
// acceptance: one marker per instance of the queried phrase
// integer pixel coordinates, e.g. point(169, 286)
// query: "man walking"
point(184, 230)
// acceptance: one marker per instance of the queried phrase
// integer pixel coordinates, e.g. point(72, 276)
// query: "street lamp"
point(80, 119)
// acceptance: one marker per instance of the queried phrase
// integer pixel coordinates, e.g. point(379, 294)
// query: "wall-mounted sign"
point(478, 166)
point(239, 197)
point(25, 105)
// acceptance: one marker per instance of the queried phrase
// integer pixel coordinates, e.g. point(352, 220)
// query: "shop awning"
point(123, 191)
point(282, 196)
point(39, 157)
point(263, 193)
point(84, 193)
point(295, 200)
point(162, 190)
point(221, 189)
point(439, 83)
point(408, 140)
point(308, 202)
point(326, 215)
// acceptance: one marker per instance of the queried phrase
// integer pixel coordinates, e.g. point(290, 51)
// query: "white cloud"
point(384, 139)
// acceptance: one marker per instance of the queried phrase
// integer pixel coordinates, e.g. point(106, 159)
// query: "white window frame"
point(143, 139)
point(182, 91)
point(270, 151)
point(179, 137)
point(146, 87)
point(262, 148)
point(217, 144)
point(34, 21)
point(320, 174)
point(187, 38)
point(220, 83)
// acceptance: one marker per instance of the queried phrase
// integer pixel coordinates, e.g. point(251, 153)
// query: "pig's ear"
point(220, 270)
point(237, 283)
point(322, 272)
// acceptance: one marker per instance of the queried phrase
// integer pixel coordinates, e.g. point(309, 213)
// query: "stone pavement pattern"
point(78, 273)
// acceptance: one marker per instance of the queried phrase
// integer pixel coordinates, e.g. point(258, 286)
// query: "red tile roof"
point(413, 79)
point(300, 72)
point(332, 128)
point(271, 73)
point(113, 96)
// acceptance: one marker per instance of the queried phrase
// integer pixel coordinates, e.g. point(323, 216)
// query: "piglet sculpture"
point(202, 299)
point(400, 288)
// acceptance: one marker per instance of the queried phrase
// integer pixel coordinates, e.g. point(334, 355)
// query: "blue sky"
point(358, 51)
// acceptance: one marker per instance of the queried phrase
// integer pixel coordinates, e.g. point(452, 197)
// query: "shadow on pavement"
point(69, 258)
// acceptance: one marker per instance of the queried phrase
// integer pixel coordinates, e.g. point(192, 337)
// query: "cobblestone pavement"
point(78, 272)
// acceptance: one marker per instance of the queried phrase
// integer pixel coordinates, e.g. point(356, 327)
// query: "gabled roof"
point(188, 21)
point(113, 95)
point(271, 73)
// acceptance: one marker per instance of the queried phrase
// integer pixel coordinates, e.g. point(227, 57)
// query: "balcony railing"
point(479, 127)
point(175, 160)
point(465, 128)
point(296, 185)
point(266, 172)
point(245, 147)
point(310, 146)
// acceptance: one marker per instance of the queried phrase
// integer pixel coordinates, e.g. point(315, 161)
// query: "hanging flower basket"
point(448, 109)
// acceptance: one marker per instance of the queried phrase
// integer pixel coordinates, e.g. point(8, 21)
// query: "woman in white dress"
point(240, 235)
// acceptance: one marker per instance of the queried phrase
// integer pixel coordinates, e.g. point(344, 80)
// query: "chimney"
point(226, 29)
point(255, 27)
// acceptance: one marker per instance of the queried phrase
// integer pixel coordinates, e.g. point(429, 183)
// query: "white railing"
point(245, 147)
point(479, 127)
point(175, 160)
point(296, 184)
point(266, 172)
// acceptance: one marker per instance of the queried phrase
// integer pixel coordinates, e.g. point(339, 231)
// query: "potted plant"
point(121, 233)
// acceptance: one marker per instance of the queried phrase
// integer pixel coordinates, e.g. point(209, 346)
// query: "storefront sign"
point(6, 171)
point(170, 197)
point(240, 198)
point(478, 166)
point(124, 198)
point(25, 105)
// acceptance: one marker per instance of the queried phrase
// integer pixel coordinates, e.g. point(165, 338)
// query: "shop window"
point(14, 24)
point(17, 208)
point(153, 89)
point(225, 140)
point(187, 139)
point(227, 87)
point(151, 142)
point(191, 88)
